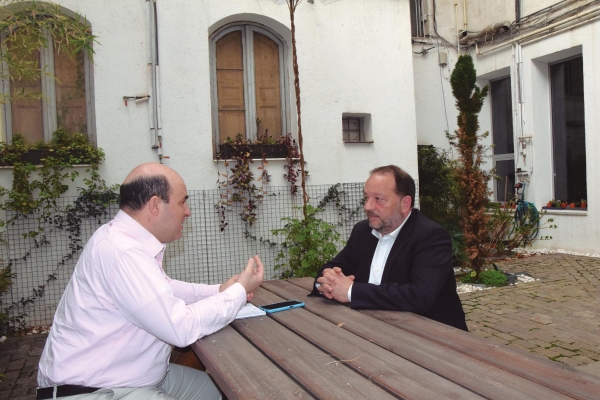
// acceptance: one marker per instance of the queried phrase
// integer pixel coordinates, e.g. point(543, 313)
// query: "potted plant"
point(583, 203)
point(572, 204)
point(550, 204)
point(558, 204)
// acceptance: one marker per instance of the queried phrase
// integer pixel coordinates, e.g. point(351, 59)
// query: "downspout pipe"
point(465, 15)
point(153, 81)
point(488, 30)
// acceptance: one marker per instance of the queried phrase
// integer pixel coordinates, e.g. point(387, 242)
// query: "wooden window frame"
point(248, 29)
point(49, 112)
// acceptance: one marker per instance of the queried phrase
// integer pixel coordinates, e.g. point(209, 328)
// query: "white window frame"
point(49, 116)
point(248, 29)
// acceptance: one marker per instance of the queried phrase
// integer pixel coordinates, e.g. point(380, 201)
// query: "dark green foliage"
point(439, 195)
point(488, 277)
point(56, 160)
point(309, 243)
point(492, 277)
point(6, 277)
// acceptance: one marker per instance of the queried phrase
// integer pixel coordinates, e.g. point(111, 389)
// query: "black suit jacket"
point(418, 274)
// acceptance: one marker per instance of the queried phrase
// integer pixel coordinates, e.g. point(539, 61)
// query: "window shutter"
point(26, 113)
point(267, 85)
point(230, 86)
point(70, 91)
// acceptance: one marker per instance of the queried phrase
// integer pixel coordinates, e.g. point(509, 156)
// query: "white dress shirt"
point(120, 313)
point(382, 252)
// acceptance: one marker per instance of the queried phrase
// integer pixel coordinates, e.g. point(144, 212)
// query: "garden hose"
point(526, 214)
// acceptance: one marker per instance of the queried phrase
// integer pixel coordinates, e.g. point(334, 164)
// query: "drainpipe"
point(153, 81)
point(465, 15)
point(523, 157)
point(457, 29)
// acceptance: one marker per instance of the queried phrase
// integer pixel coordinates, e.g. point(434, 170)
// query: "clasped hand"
point(250, 278)
point(334, 284)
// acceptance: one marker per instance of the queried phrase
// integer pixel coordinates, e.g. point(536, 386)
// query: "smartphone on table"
point(281, 306)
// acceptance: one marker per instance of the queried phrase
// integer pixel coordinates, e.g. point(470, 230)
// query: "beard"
point(388, 225)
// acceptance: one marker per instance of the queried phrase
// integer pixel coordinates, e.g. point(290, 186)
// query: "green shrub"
point(309, 243)
point(492, 277)
point(439, 196)
point(488, 277)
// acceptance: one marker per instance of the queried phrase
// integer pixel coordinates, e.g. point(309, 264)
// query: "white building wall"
point(354, 56)
point(577, 231)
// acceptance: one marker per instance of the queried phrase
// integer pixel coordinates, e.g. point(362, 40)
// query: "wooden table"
point(329, 351)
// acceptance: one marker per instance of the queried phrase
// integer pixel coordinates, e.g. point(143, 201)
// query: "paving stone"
point(480, 333)
point(26, 397)
point(498, 340)
point(21, 352)
point(5, 394)
point(9, 380)
point(570, 346)
point(550, 353)
point(524, 344)
point(541, 343)
point(564, 352)
point(16, 365)
point(506, 336)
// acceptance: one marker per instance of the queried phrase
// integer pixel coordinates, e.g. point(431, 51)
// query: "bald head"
point(156, 197)
point(144, 182)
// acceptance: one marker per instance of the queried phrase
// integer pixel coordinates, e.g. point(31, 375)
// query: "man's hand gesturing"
point(253, 275)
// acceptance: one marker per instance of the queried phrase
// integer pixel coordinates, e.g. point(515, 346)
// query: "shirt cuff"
point(350, 292)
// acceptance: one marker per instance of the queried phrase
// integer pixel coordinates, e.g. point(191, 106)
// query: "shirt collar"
point(154, 246)
point(393, 234)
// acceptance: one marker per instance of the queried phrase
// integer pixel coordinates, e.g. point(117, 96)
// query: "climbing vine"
point(237, 182)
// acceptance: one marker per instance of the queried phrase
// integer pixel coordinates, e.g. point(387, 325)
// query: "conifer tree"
point(473, 180)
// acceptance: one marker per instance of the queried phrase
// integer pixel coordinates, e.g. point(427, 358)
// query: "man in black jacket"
point(398, 259)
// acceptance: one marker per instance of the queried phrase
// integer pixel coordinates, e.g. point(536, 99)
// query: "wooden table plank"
point(390, 371)
point(241, 371)
point(316, 371)
point(555, 375)
point(479, 376)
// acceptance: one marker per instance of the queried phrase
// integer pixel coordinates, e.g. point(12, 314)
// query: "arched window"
point(248, 83)
point(57, 92)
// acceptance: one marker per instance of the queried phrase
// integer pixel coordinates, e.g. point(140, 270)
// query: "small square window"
point(356, 128)
point(353, 128)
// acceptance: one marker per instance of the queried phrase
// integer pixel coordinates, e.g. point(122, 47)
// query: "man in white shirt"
point(397, 259)
point(113, 329)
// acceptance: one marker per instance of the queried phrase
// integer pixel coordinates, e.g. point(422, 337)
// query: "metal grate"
point(204, 254)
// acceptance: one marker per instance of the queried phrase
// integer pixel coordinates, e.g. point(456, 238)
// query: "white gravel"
point(535, 252)
point(468, 287)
